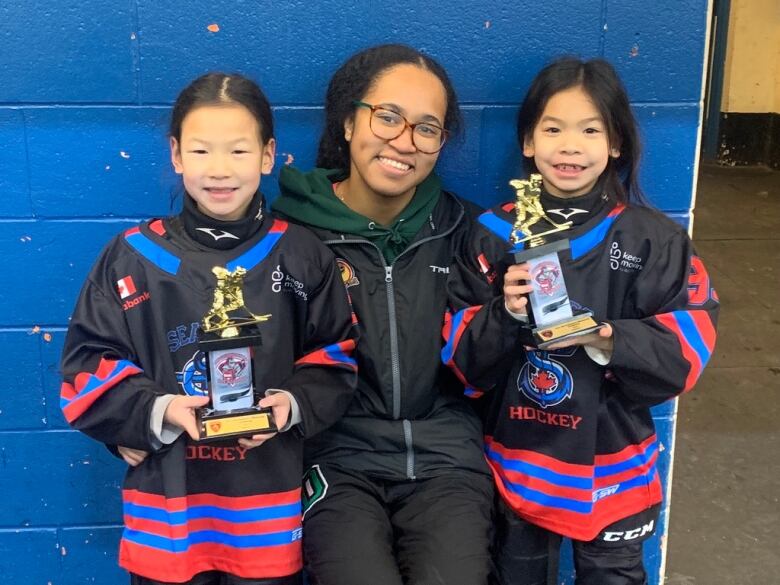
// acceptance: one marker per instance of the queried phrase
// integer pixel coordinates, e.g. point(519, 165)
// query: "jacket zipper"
point(408, 439)
point(395, 360)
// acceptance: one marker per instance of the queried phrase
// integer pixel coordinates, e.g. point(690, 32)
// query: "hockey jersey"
point(571, 443)
point(193, 507)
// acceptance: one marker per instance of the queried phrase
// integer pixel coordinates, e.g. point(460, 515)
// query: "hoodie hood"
point(309, 199)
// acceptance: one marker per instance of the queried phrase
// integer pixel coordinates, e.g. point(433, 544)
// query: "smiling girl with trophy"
point(569, 434)
point(164, 350)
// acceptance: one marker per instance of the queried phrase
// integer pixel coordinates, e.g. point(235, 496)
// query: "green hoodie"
point(308, 198)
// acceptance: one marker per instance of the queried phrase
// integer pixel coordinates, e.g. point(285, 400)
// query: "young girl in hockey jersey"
point(569, 433)
point(228, 512)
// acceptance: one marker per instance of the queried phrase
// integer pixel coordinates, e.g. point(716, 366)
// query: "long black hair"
point(601, 82)
point(353, 80)
point(223, 88)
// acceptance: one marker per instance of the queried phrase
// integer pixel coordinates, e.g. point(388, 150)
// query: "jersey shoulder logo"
point(125, 287)
point(624, 261)
point(347, 273)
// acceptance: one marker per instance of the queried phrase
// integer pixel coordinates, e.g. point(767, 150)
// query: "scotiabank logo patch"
point(126, 287)
point(142, 298)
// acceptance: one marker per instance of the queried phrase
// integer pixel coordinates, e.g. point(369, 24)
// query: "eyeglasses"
point(386, 124)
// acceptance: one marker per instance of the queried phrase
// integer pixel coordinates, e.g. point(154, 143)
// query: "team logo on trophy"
point(230, 334)
point(551, 316)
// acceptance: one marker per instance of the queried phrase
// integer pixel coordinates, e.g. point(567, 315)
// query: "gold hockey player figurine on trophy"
point(529, 210)
point(550, 314)
point(230, 337)
point(228, 296)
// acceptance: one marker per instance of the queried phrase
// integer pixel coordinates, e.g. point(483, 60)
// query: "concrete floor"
point(725, 514)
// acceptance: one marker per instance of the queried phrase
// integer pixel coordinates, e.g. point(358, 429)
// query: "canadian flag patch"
point(125, 286)
point(484, 265)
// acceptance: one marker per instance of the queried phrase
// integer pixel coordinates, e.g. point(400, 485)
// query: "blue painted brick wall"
point(86, 91)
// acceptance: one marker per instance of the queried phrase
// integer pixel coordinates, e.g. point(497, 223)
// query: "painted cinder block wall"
point(84, 99)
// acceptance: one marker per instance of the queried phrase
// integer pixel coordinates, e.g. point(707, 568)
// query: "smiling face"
point(221, 157)
point(382, 168)
point(569, 144)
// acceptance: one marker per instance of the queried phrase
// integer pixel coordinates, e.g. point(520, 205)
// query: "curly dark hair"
point(354, 79)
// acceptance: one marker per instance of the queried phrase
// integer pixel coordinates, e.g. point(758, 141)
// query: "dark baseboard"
point(749, 139)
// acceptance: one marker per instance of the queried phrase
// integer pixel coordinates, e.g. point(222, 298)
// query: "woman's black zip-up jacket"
point(408, 418)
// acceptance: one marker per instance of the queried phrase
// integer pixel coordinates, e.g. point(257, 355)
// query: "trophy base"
point(245, 422)
point(581, 323)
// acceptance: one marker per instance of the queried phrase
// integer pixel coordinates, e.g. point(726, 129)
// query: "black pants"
point(220, 578)
point(525, 554)
point(425, 532)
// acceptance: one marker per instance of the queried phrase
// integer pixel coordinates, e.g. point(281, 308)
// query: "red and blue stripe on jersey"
point(696, 334)
point(165, 260)
point(576, 500)
point(87, 387)
point(579, 246)
point(454, 327)
point(261, 249)
point(501, 227)
point(338, 354)
point(593, 237)
point(175, 538)
point(152, 251)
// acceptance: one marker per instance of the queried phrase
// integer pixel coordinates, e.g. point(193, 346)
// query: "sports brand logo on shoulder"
point(127, 290)
point(347, 273)
point(624, 261)
point(281, 282)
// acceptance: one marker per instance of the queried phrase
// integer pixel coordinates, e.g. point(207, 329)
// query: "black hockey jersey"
point(192, 507)
point(571, 443)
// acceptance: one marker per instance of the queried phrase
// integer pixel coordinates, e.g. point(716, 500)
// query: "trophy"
point(230, 334)
point(550, 314)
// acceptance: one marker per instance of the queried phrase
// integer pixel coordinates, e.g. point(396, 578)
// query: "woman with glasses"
point(397, 491)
